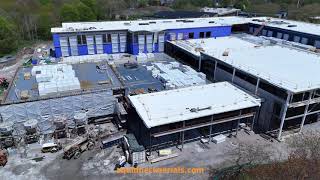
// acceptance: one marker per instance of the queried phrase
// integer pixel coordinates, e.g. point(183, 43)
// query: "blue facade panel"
point(135, 49)
point(221, 31)
point(156, 48)
point(58, 52)
point(56, 40)
point(82, 49)
point(107, 48)
point(217, 31)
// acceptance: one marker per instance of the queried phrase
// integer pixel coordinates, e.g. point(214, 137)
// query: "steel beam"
point(257, 87)
point(202, 125)
point(284, 112)
point(305, 111)
point(233, 74)
point(215, 70)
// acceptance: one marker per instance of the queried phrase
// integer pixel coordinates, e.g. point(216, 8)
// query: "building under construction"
point(164, 80)
point(283, 74)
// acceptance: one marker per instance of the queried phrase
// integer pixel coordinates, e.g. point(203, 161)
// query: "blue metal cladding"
point(135, 49)
point(107, 48)
point(156, 48)
point(56, 44)
point(82, 49)
point(58, 52)
point(221, 31)
point(216, 31)
point(56, 40)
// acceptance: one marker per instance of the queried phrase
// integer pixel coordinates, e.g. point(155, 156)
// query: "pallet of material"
point(219, 139)
point(164, 157)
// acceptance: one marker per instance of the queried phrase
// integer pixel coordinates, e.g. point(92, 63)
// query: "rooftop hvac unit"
point(225, 53)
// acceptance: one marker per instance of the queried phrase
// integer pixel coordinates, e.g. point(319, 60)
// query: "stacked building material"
point(55, 78)
point(174, 75)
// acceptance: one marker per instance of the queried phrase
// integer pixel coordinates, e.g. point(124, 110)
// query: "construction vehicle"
point(3, 157)
point(51, 147)
point(78, 146)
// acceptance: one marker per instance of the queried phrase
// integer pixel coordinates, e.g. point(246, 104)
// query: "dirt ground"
point(99, 164)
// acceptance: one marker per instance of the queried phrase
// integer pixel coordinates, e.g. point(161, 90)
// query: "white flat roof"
point(164, 24)
point(299, 26)
point(157, 25)
point(172, 106)
point(291, 69)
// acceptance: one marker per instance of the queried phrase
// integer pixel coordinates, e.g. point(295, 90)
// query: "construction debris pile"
point(55, 78)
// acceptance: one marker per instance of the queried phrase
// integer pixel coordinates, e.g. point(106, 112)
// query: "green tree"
point(92, 4)
point(85, 13)
point(45, 22)
point(142, 3)
point(69, 12)
point(8, 38)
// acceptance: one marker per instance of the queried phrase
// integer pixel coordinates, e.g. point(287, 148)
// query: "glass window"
point(104, 38)
point(304, 40)
point(191, 35)
point(79, 39)
point(201, 35)
point(109, 38)
point(286, 37)
point(208, 34)
point(84, 39)
point(296, 39)
point(317, 44)
point(279, 35)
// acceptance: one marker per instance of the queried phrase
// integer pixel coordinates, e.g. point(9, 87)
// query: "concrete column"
point(238, 122)
point(182, 142)
point(210, 131)
point(150, 143)
point(257, 87)
point(215, 69)
point(253, 119)
point(233, 74)
point(284, 112)
point(305, 111)
point(199, 68)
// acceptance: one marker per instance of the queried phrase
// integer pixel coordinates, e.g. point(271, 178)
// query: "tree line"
point(31, 20)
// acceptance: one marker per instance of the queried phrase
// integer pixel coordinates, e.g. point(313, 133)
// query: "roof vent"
point(152, 22)
point(143, 24)
point(292, 25)
point(211, 22)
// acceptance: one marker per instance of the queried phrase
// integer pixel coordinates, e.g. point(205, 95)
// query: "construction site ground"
point(8, 71)
point(30, 163)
